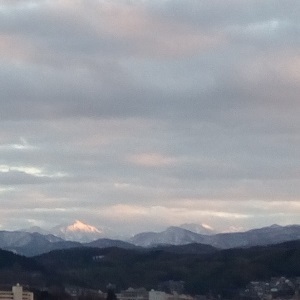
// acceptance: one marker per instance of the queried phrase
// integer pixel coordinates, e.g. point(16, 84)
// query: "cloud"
point(183, 109)
point(150, 159)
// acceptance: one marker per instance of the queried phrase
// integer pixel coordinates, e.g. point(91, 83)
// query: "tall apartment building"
point(16, 293)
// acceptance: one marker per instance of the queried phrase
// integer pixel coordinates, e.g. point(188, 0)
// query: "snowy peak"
point(255, 237)
point(78, 231)
point(79, 226)
point(198, 228)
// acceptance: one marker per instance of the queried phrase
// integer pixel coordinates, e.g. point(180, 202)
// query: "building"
point(16, 293)
point(133, 294)
point(158, 295)
point(142, 294)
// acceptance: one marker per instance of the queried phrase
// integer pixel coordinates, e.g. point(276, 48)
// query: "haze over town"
point(137, 115)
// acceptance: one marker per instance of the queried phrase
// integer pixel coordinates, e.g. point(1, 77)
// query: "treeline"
point(220, 272)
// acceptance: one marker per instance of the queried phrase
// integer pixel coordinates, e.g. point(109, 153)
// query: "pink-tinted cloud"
point(151, 159)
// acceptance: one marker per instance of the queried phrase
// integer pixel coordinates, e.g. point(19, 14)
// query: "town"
point(280, 288)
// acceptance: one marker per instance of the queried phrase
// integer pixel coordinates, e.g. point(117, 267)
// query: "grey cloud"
point(218, 13)
point(150, 104)
point(14, 177)
point(98, 86)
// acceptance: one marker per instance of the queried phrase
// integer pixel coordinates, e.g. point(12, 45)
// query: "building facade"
point(17, 293)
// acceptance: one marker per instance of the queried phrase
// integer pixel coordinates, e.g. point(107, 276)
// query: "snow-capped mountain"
point(254, 237)
point(30, 244)
point(198, 228)
point(78, 231)
point(14, 239)
point(35, 243)
point(34, 229)
point(171, 236)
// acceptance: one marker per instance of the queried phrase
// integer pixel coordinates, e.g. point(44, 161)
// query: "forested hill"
point(221, 271)
point(10, 260)
point(15, 268)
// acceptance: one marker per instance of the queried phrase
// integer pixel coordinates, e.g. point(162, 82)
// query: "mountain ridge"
point(78, 232)
point(254, 237)
point(31, 244)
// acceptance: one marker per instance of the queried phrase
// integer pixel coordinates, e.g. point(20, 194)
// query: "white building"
point(158, 295)
point(133, 294)
point(16, 293)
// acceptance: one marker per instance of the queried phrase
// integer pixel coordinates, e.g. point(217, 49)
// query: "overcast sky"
point(140, 114)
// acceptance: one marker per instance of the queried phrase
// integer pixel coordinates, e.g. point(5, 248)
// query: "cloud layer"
point(143, 114)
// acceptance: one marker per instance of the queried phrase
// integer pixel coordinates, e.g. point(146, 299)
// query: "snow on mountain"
point(14, 239)
point(78, 231)
point(84, 233)
point(34, 229)
point(254, 237)
point(171, 236)
point(198, 228)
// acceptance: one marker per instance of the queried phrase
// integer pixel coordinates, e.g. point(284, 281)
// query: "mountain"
point(219, 271)
point(179, 236)
point(34, 229)
point(194, 248)
point(171, 236)
point(13, 239)
point(256, 237)
point(30, 244)
point(198, 228)
point(107, 243)
point(78, 231)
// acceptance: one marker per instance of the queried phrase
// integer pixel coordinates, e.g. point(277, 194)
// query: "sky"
point(134, 115)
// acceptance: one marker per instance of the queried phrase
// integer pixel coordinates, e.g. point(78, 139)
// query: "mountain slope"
point(178, 236)
point(106, 243)
point(78, 231)
point(30, 244)
point(198, 228)
point(255, 237)
point(193, 248)
point(219, 271)
point(171, 236)
point(15, 268)
point(15, 239)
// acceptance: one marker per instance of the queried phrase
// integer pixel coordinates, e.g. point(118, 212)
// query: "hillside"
point(221, 271)
point(15, 268)
point(35, 243)
point(256, 237)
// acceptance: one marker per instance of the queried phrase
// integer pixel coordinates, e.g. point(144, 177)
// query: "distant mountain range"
point(35, 241)
point(77, 232)
point(179, 236)
point(84, 233)
point(30, 244)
